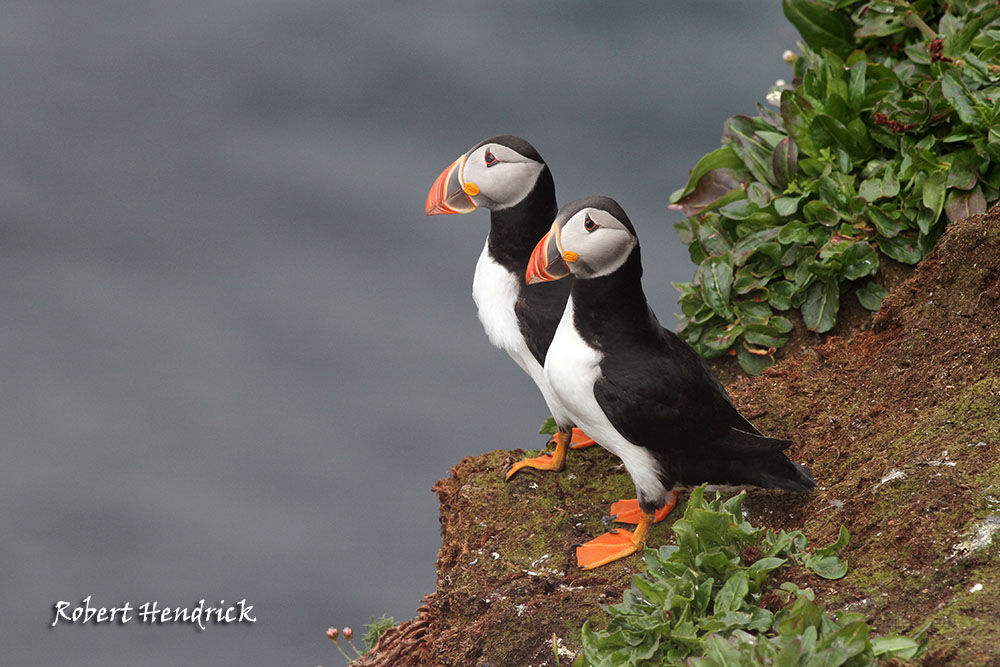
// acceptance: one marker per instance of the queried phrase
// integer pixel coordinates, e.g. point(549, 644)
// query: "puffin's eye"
point(490, 158)
point(589, 224)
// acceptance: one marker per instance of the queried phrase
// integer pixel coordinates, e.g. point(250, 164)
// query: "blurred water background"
point(235, 353)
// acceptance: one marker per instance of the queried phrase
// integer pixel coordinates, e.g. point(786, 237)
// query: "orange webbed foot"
point(613, 545)
point(580, 440)
point(607, 548)
point(555, 461)
point(543, 462)
point(627, 511)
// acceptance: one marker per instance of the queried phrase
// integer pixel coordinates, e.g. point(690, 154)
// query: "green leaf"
point(871, 295)
point(852, 639)
point(933, 195)
point(751, 363)
point(820, 25)
point(745, 282)
point(795, 231)
point(827, 131)
point(796, 115)
point(962, 172)
point(712, 237)
point(821, 305)
point(753, 312)
point(843, 537)
point(886, 225)
point(715, 176)
point(856, 85)
point(767, 564)
point(749, 244)
point(963, 204)
point(730, 596)
point(715, 275)
point(957, 45)
point(877, 188)
point(859, 260)
point(720, 158)
point(880, 25)
point(715, 189)
point(719, 339)
point(785, 162)
point(765, 337)
point(903, 648)
point(549, 427)
point(781, 324)
point(786, 206)
point(901, 248)
point(960, 99)
point(780, 293)
point(740, 132)
point(819, 211)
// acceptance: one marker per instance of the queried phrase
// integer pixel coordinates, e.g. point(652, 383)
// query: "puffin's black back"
point(660, 394)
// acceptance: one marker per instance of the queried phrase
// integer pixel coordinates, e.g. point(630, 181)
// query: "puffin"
point(506, 175)
point(637, 388)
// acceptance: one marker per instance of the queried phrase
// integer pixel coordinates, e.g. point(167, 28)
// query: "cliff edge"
point(899, 422)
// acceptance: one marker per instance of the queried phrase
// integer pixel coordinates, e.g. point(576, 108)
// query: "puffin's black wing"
point(661, 395)
point(539, 308)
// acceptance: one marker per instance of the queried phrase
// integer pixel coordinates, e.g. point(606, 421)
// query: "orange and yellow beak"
point(449, 194)
point(548, 261)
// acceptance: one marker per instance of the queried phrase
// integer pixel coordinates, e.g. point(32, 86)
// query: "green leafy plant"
point(548, 427)
point(889, 129)
point(375, 628)
point(699, 601)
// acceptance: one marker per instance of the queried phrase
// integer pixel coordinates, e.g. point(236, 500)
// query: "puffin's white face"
point(498, 177)
point(492, 175)
point(594, 243)
point(585, 240)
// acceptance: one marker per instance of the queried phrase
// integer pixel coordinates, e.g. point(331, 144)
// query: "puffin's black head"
point(590, 238)
point(497, 173)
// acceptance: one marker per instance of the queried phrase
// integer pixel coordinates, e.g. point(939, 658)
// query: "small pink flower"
point(332, 633)
point(348, 633)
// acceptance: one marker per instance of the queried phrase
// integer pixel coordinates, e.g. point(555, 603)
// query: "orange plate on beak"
point(447, 194)
point(546, 262)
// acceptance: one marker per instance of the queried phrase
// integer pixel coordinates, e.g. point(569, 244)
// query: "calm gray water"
point(235, 353)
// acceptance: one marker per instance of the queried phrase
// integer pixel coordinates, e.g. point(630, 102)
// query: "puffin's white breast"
point(572, 367)
point(495, 291)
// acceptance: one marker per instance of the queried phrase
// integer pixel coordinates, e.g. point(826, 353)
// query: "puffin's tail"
point(777, 471)
point(758, 460)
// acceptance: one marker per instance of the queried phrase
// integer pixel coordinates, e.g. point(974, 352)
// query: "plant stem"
point(913, 20)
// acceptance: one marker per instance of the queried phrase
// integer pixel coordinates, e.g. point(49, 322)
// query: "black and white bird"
point(637, 388)
point(507, 175)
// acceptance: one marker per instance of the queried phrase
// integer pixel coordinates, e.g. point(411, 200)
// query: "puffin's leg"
point(580, 440)
point(613, 545)
point(554, 461)
point(627, 511)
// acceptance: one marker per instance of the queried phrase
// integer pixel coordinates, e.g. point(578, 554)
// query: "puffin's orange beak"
point(547, 260)
point(448, 195)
